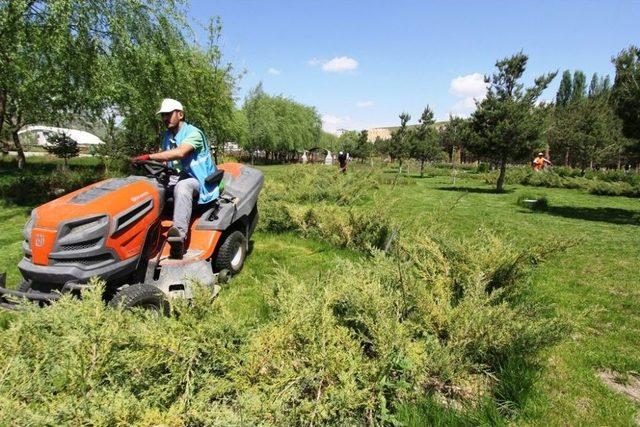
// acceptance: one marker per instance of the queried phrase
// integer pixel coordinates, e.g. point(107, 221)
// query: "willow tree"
point(278, 125)
point(54, 55)
point(168, 65)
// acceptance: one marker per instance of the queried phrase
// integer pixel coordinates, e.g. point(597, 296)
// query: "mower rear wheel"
point(142, 296)
point(232, 253)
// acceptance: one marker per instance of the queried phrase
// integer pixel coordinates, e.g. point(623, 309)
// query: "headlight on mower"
point(78, 229)
point(28, 228)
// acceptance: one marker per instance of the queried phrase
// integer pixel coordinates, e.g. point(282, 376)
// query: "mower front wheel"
point(232, 253)
point(142, 296)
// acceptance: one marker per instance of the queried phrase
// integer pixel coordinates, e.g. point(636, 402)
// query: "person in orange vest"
point(540, 162)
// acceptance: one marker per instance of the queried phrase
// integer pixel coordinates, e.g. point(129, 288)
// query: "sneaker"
point(176, 241)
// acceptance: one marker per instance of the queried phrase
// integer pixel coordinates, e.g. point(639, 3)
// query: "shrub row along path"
point(594, 285)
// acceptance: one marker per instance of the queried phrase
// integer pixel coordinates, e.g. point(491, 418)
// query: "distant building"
point(386, 132)
point(82, 138)
point(231, 147)
point(382, 133)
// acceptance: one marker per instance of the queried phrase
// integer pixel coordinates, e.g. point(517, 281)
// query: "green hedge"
point(606, 183)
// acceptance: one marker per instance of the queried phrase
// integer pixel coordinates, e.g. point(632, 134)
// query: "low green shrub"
point(435, 317)
point(355, 229)
point(308, 184)
point(533, 202)
point(610, 183)
point(482, 168)
point(394, 179)
point(603, 188)
point(424, 317)
point(33, 188)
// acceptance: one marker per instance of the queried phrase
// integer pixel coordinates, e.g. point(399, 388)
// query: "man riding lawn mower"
point(120, 230)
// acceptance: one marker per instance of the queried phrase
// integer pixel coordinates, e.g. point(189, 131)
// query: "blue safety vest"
point(197, 164)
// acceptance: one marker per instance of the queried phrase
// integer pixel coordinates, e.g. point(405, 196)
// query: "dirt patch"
point(628, 384)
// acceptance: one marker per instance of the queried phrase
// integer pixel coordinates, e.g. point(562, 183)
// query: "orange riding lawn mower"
point(117, 230)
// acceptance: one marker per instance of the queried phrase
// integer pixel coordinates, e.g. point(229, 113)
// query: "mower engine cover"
point(99, 230)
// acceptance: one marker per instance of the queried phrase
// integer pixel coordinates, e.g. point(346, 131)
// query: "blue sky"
point(362, 63)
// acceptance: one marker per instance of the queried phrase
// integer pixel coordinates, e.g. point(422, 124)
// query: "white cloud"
point(470, 88)
point(336, 65)
point(332, 124)
point(471, 85)
point(273, 71)
point(340, 64)
point(463, 108)
point(364, 104)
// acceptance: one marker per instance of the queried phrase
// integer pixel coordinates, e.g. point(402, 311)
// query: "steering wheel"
point(158, 170)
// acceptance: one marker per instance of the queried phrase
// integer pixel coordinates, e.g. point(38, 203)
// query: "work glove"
point(141, 158)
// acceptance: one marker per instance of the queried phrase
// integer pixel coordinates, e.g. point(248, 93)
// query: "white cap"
point(168, 105)
point(540, 154)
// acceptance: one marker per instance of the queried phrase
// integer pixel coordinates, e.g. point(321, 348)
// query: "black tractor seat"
point(215, 178)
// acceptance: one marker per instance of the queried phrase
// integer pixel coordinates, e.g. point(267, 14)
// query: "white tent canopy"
point(80, 136)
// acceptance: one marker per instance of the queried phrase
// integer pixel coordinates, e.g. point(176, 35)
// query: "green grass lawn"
point(593, 285)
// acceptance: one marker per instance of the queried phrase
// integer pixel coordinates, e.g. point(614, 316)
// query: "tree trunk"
point(566, 158)
point(3, 103)
point(22, 160)
point(503, 172)
point(421, 168)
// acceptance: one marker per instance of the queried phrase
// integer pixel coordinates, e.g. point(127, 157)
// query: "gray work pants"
point(183, 196)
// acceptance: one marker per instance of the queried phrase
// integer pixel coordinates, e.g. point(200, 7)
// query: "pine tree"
point(62, 146)
point(400, 141)
point(579, 86)
point(424, 143)
point(594, 87)
point(606, 84)
point(363, 147)
point(626, 92)
point(507, 123)
point(455, 136)
point(564, 91)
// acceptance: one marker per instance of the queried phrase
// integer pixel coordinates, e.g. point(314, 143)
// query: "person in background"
point(540, 162)
point(342, 161)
